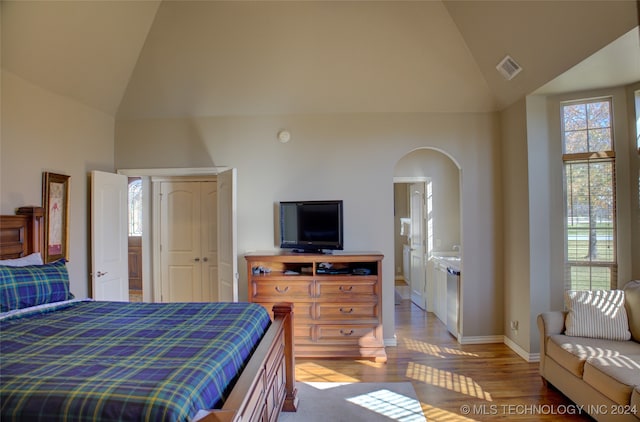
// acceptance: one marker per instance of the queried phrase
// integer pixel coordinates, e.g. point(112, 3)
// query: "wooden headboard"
point(23, 233)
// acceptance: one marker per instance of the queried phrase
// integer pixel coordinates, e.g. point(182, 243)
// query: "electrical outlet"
point(514, 325)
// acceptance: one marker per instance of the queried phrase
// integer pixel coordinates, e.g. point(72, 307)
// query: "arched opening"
point(427, 227)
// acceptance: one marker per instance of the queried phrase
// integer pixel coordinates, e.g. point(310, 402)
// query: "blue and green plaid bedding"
point(114, 361)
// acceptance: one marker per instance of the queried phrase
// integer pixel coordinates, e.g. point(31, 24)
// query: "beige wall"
point(42, 131)
point(515, 223)
point(350, 157)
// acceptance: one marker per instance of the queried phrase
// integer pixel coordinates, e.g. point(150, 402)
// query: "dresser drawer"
point(346, 311)
point(363, 335)
point(303, 332)
point(346, 290)
point(302, 311)
point(280, 290)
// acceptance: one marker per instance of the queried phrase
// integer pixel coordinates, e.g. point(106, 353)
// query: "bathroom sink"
point(447, 259)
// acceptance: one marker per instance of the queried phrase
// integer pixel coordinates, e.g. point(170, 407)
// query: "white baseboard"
point(481, 339)
point(529, 357)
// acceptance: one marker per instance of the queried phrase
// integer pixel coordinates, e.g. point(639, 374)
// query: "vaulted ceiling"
point(176, 58)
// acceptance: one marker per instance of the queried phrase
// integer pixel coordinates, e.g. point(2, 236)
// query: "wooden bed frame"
point(267, 383)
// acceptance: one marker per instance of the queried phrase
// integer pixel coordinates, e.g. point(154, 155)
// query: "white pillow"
point(33, 259)
point(597, 314)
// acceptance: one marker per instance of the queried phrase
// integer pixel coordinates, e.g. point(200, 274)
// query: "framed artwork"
point(55, 200)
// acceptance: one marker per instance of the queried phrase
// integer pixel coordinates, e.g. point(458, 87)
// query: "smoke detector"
point(508, 68)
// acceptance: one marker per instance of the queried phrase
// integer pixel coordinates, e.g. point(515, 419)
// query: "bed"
point(76, 359)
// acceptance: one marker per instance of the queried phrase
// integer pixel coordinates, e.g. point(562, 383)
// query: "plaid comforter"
point(114, 361)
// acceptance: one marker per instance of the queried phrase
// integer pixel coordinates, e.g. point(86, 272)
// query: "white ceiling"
point(147, 58)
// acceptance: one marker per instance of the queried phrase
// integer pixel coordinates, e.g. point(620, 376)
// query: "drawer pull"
point(346, 289)
point(346, 333)
point(279, 290)
point(346, 311)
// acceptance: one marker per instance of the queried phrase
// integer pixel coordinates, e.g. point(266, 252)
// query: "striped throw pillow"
point(597, 314)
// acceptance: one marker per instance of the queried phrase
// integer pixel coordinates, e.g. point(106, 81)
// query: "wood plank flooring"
point(453, 382)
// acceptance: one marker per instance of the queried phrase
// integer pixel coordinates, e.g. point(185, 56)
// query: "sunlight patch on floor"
point(392, 405)
point(434, 349)
point(312, 371)
point(321, 385)
point(447, 380)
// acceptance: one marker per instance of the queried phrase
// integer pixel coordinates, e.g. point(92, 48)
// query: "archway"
point(441, 230)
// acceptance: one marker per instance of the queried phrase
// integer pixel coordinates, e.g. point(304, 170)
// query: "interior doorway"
point(428, 181)
point(412, 228)
point(149, 262)
point(134, 247)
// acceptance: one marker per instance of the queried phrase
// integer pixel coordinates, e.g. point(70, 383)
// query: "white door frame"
point(425, 180)
point(148, 292)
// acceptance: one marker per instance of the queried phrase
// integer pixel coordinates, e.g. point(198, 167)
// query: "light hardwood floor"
point(453, 382)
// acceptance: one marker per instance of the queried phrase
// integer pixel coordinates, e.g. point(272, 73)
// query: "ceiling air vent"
point(508, 68)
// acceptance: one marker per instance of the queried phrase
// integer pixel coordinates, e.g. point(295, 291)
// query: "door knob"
point(100, 273)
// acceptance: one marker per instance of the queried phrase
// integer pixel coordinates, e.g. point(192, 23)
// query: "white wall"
point(42, 131)
point(350, 157)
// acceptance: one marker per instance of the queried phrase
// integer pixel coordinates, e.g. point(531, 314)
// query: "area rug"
point(359, 401)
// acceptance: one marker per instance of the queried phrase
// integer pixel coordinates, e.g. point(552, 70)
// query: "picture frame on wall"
point(55, 200)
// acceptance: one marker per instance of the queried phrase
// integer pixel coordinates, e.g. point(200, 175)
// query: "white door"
point(188, 238)
point(209, 240)
point(109, 257)
point(417, 244)
point(227, 237)
point(180, 242)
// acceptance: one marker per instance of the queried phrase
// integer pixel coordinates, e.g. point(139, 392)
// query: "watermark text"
point(485, 409)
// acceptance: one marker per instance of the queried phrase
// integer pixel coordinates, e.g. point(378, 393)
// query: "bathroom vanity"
point(446, 289)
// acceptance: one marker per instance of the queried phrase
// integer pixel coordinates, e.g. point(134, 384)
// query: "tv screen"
point(311, 225)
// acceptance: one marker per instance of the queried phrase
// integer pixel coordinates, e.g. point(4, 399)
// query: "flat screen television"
point(311, 226)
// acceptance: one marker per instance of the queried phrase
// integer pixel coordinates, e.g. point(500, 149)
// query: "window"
point(135, 206)
point(589, 183)
point(637, 95)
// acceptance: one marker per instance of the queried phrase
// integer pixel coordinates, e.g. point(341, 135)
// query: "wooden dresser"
point(337, 300)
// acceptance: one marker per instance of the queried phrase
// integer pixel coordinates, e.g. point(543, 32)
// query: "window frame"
point(134, 181)
point(588, 158)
